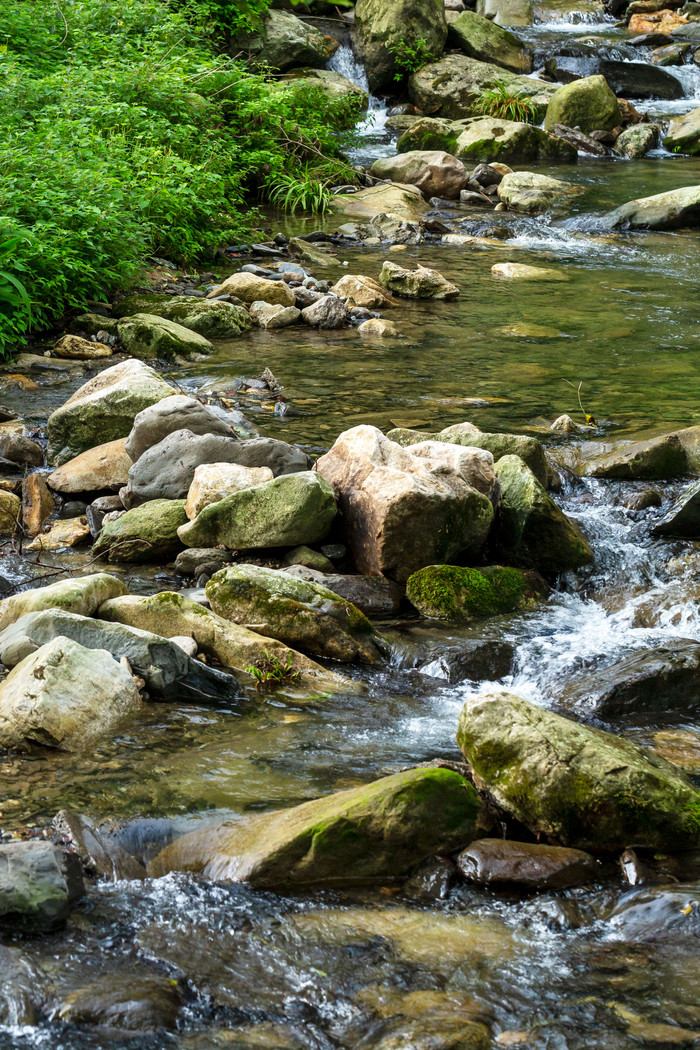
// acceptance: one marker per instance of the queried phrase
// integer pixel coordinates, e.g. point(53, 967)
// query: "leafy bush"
point(409, 58)
point(506, 103)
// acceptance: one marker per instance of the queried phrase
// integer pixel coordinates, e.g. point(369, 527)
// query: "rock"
point(659, 22)
point(469, 659)
point(292, 509)
point(461, 595)
point(490, 139)
point(529, 193)
point(68, 532)
point(576, 785)
point(683, 135)
point(389, 226)
point(480, 38)
point(310, 559)
point(587, 104)
point(531, 529)
point(252, 289)
point(65, 696)
point(166, 470)
point(21, 991)
point(507, 12)
point(213, 320)
point(637, 140)
point(663, 211)
point(640, 80)
point(73, 347)
point(336, 87)
point(395, 198)
point(681, 747)
point(83, 595)
point(267, 315)
point(20, 451)
point(303, 615)
point(91, 324)
point(148, 533)
point(374, 832)
point(125, 1004)
point(421, 283)
point(380, 26)
point(170, 614)
point(378, 328)
point(374, 596)
point(527, 865)
point(426, 134)
point(194, 561)
point(435, 173)
point(39, 884)
point(473, 464)
point(327, 312)
point(665, 456)
point(178, 412)
point(683, 518)
point(101, 467)
point(523, 272)
point(400, 511)
point(452, 86)
point(103, 409)
point(213, 482)
point(37, 504)
point(581, 143)
point(10, 512)
point(283, 41)
point(364, 291)
point(147, 335)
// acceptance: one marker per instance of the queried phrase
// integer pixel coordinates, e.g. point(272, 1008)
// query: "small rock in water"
point(644, 500)
point(39, 884)
point(633, 871)
point(528, 865)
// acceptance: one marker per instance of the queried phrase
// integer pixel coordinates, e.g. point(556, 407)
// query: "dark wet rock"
point(135, 1003)
point(583, 143)
point(579, 786)
point(648, 913)
point(640, 80)
point(663, 680)
point(180, 412)
point(527, 865)
point(20, 989)
point(39, 884)
point(375, 596)
point(99, 853)
point(644, 500)
point(83, 595)
point(461, 595)
point(634, 872)
point(433, 880)
point(665, 456)
point(197, 560)
point(683, 518)
point(147, 533)
point(20, 451)
point(473, 659)
point(377, 831)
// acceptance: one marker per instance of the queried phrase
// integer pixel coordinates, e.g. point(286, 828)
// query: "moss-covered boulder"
point(588, 104)
point(576, 785)
point(213, 319)
point(386, 28)
point(529, 193)
point(83, 595)
point(147, 336)
point(145, 534)
point(531, 529)
point(481, 38)
point(460, 595)
point(284, 41)
point(290, 510)
point(683, 135)
point(430, 133)
point(302, 614)
point(452, 87)
point(509, 141)
point(637, 140)
point(375, 832)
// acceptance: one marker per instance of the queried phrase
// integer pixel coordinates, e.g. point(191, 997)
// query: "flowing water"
point(574, 969)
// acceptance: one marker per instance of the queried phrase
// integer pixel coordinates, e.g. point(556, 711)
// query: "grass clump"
point(270, 672)
point(503, 101)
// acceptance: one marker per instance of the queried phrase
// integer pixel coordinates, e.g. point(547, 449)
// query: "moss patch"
point(450, 592)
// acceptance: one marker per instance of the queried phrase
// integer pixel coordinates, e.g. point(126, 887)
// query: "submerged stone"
point(129, 1004)
point(39, 884)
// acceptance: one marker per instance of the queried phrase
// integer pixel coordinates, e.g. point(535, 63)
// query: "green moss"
point(451, 592)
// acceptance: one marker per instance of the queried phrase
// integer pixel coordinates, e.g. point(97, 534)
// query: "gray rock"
point(39, 884)
point(180, 412)
point(196, 560)
point(683, 518)
point(20, 989)
point(663, 211)
point(327, 312)
point(272, 315)
point(640, 80)
point(125, 1003)
point(147, 335)
point(375, 596)
point(637, 140)
point(20, 451)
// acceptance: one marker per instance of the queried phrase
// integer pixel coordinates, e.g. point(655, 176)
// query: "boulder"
point(461, 595)
point(480, 38)
point(172, 615)
point(147, 335)
point(420, 283)
point(19, 451)
point(436, 174)
point(283, 41)
point(452, 87)
point(102, 467)
point(364, 291)
point(378, 328)
point(389, 226)
point(522, 272)
point(148, 533)
point(166, 470)
point(269, 315)
point(292, 509)
point(335, 87)
point(588, 104)
point(194, 561)
point(123, 1003)
point(67, 532)
point(75, 348)
point(527, 865)
point(252, 289)
point(39, 884)
point(531, 529)
point(430, 134)
point(213, 482)
point(394, 198)
point(327, 312)
point(169, 673)
point(179, 412)
point(304, 615)
point(507, 12)
point(65, 696)
point(683, 518)
point(663, 211)
point(383, 27)
point(378, 831)
point(400, 511)
point(37, 504)
point(103, 409)
point(83, 595)
point(211, 319)
point(375, 596)
point(572, 784)
point(474, 464)
point(10, 512)
point(683, 135)
point(490, 139)
point(530, 193)
point(665, 456)
point(310, 559)
point(581, 143)
point(637, 140)
point(640, 80)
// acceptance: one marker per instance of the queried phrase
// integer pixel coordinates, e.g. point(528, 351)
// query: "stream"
point(562, 970)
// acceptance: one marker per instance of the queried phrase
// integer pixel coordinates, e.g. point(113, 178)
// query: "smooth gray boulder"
point(39, 883)
point(166, 470)
point(375, 596)
point(662, 211)
point(169, 673)
point(83, 595)
point(181, 412)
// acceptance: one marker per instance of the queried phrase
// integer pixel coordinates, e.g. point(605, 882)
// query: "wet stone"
point(526, 865)
point(135, 1003)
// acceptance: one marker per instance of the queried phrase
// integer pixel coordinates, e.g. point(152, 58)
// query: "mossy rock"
point(460, 595)
point(148, 335)
point(588, 104)
point(430, 133)
point(378, 831)
point(480, 37)
point(145, 534)
point(491, 139)
point(213, 319)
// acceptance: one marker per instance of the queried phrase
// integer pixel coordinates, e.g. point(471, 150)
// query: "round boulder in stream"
point(588, 104)
point(460, 595)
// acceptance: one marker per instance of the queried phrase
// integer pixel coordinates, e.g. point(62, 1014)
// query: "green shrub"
point(409, 58)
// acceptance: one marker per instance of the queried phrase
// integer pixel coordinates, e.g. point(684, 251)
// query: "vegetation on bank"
point(129, 130)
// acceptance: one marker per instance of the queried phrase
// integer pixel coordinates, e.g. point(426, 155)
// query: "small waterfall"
point(689, 76)
point(345, 63)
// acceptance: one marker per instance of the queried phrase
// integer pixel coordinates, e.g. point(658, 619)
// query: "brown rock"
point(103, 467)
point(10, 510)
point(365, 291)
point(661, 22)
point(525, 864)
point(72, 346)
point(67, 532)
point(37, 504)
point(251, 289)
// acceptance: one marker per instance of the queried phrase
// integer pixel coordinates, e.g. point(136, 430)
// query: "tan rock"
point(421, 283)
point(10, 510)
point(37, 504)
point(475, 465)
point(397, 198)
point(213, 482)
point(377, 328)
point(74, 347)
point(365, 291)
point(103, 467)
point(522, 272)
point(660, 22)
point(68, 532)
point(272, 315)
point(253, 289)
point(434, 172)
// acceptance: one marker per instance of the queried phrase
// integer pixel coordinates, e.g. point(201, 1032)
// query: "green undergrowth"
point(129, 131)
